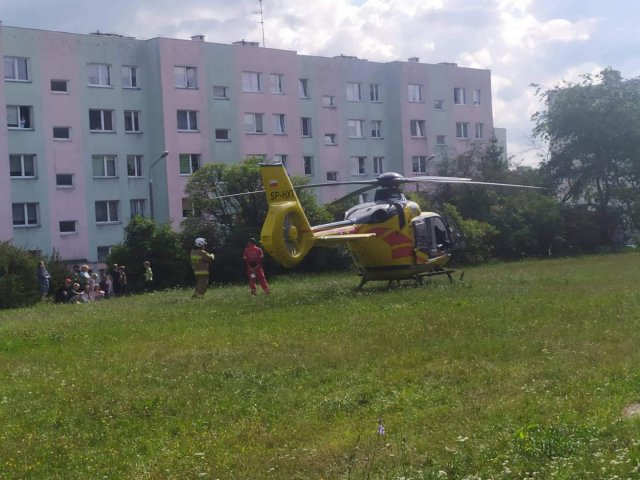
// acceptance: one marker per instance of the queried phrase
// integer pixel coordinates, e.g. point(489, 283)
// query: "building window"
point(374, 92)
point(441, 140)
point(107, 211)
point(376, 128)
point(253, 123)
point(419, 164)
point(132, 121)
point(415, 93)
point(303, 88)
point(479, 130)
point(358, 165)
point(252, 82)
point(134, 165)
point(185, 77)
point(220, 92)
point(187, 120)
point(64, 180)
point(103, 252)
point(417, 128)
point(60, 86)
point(129, 77)
point(438, 104)
point(462, 130)
point(101, 120)
point(459, 96)
point(20, 117)
point(16, 68)
point(308, 165)
point(354, 92)
point(355, 128)
point(136, 207)
point(328, 101)
point(306, 126)
point(99, 75)
point(280, 158)
point(477, 97)
point(104, 166)
point(62, 133)
point(378, 165)
point(25, 214)
point(67, 226)
point(187, 208)
point(330, 139)
point(277, 83)
point(279, 127)
point(332, 176)
point(189, 163)
point(22, 166)
point(222, 135)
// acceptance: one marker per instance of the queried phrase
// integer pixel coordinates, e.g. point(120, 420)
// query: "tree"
point(593, 132)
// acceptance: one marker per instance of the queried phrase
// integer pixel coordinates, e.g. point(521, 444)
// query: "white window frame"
point(441, 140)
point(414, 91)
point(279, 124)
point(419, 164)
point(303, 88)
point(417, 128)
point(20, 117)
point(134, 166)
point(477, 96)
point(104, 166)
point(459, 96)
point(330, 139)
point(12, 70)
point(23, 160)
point(355, 128)
point(438, 105)
point(60, 130)
point(189, 120)
point(280, 158)
point(190, 160)
point(307, 162)
point(137, 206)
point(111, 209)
point(252, 82)
point(479, 131)
point(103, 251)
point(254, 123)
point(65, 185)
point(462, 130)
point(329, 101)
point(129, 76)
point(332, 176)
point(101, 77)
point(306, 127)
point(376, 128)
point(221, 92)
point(358, 165)
point(132, 121)
point(354, 92)
point(59, 82)
point(68, 231)
point(277, 83)
point(106, 116)
point(227, 136)
point(185, 77)
point(378, 165)
point(30, 214)
point(374, 92)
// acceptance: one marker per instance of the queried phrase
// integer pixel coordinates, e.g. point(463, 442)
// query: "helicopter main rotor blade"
point(466, 181)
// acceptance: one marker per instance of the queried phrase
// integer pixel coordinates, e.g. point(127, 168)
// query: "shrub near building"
point(18, 287)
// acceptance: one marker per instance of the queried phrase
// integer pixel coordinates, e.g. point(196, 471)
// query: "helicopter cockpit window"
point(440, 234)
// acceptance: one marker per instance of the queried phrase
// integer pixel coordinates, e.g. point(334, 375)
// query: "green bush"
point(18, 284)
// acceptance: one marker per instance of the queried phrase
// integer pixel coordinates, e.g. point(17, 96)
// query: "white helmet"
point(200, 242)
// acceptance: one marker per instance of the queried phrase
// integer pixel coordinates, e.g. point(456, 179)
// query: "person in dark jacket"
point(43, 280)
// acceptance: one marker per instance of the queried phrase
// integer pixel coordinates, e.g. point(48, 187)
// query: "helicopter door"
point(457, 235)
point(422, 236)
point(441, 237)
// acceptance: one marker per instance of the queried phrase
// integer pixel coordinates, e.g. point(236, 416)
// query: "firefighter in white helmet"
point(200, 260)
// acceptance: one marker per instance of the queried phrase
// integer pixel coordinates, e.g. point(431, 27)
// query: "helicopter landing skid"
point(418, 277)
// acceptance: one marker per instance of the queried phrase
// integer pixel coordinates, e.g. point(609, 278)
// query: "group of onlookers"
point(84, 285)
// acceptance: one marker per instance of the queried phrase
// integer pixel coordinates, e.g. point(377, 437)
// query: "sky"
point(522, 42)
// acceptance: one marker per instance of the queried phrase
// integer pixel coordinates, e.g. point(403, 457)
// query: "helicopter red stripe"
point(396, 238)
point(401, 252)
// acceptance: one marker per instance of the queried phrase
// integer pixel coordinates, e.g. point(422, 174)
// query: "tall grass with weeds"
point(520, 371)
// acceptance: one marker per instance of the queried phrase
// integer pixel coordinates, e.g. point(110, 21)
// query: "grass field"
point(520, 371)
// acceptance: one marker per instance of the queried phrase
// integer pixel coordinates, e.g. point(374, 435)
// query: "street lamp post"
point(164, 155)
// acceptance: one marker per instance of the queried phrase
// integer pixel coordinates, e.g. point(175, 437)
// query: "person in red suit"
point(253, 256)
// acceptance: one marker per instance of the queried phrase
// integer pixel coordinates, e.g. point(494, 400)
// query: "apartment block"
point(99, 128)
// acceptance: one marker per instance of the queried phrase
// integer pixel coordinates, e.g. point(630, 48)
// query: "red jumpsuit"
point(252, 256)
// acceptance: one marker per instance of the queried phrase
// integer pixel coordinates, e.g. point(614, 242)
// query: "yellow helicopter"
point(390, 238)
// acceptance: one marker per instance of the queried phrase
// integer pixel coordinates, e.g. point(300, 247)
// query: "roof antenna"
point(260, 11)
